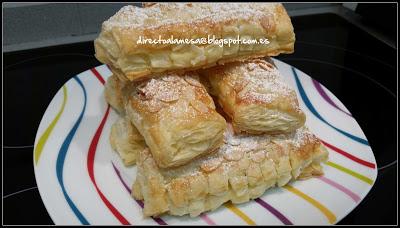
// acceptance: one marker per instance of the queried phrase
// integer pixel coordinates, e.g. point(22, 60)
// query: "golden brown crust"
point(126, 140)
point(117, 44)
point(182, 99)
point(151, 185)
point(177, 118)
point(242, 169)
point(148, 4)
point(254, 96)
point(116, 93)
point(113, 94)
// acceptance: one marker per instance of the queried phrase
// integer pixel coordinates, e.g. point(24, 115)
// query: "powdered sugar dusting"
point(244, 143)
point(161, 90)
point(179, 93)
point(303, 137)
point(263, 82)
point(173, 13)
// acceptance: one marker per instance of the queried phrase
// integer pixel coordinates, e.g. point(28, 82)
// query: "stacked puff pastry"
point(192, 156)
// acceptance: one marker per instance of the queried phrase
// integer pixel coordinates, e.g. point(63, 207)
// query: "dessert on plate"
point(205, 124)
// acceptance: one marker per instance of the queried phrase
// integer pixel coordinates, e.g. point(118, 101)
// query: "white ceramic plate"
point(82, 180)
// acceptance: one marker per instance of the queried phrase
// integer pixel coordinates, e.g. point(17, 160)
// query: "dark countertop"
point(359, 69)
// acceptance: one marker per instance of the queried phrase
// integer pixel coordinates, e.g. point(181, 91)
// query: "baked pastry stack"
point(204, 124)
point(174, 114)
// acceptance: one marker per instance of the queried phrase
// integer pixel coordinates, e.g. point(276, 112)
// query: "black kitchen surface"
point(358, 68)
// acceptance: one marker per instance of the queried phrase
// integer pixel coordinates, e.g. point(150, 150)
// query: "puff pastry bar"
point(243, 169)
point(254, 96)
point(117, 44)
point(176, 117)
point(126, 140)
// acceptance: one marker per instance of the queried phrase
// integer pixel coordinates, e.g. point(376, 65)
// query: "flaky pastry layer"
point(255, 97)
point(126, 140)
point(242, 169)
point(177, 118)
point(116, 93)
point(117, 44)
